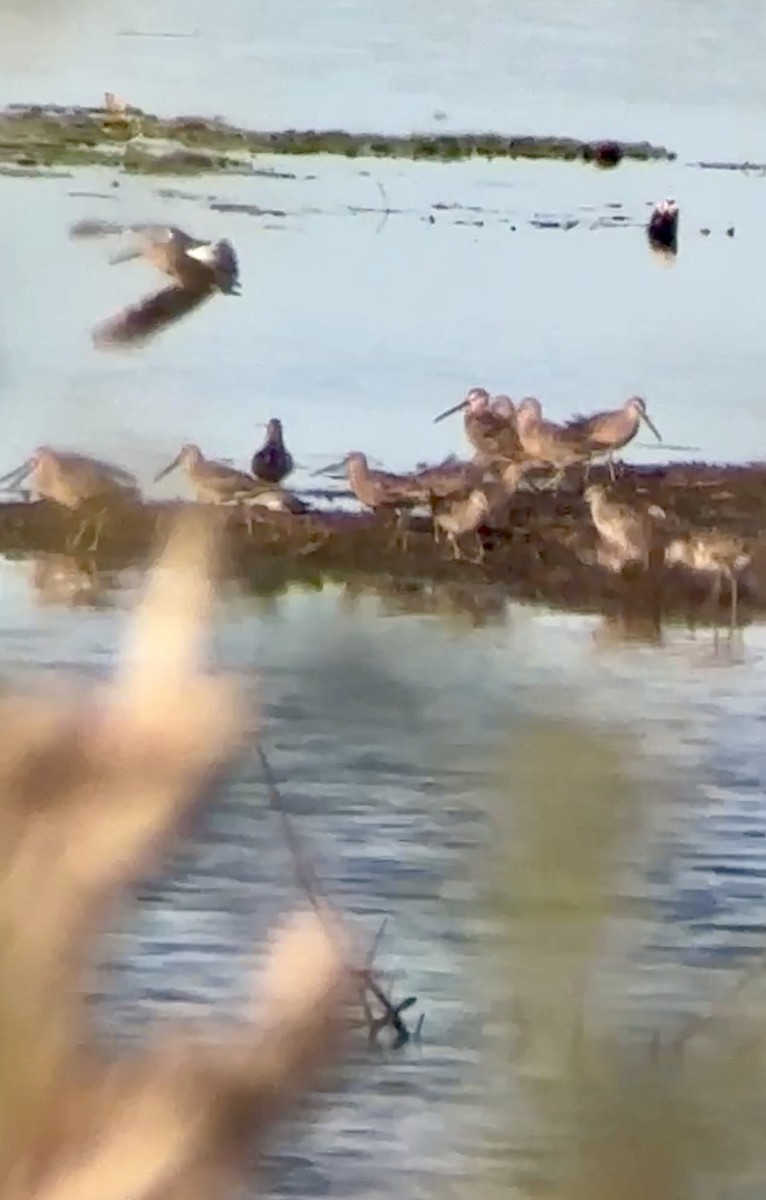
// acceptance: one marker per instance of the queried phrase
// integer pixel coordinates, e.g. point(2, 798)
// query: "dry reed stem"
point(93, 789)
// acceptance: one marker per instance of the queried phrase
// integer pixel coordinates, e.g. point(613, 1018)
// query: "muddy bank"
point(42, 136)
point(546, 555)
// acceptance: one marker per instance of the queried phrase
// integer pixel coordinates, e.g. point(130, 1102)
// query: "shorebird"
point(490, 430)
point(485, 505)
point(547, 443)
point(627, 534)
point(502, 406)
point(382, 491)
point(662, 229)
point(198, 270)
point(273, 462)
point(606, 432)
point(448, 478)
point(217, 483)
point(720, 555)
point(76, 481)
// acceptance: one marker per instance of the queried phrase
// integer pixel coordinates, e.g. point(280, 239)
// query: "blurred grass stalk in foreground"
point(93, 789)
point(589, 1111)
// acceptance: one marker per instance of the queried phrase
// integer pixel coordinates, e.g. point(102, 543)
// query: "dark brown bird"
point(273, 462)
point(193, 264)
point(198, 270)
point(662, 229)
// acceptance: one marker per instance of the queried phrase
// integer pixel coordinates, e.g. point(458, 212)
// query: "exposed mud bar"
point(548, 553)
point(36, 136)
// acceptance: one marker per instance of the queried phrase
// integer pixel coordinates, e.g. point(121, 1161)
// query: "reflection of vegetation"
point(33, 135)
point(592, 1109)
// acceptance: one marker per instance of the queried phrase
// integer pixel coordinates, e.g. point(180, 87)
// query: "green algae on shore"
point(45, 135)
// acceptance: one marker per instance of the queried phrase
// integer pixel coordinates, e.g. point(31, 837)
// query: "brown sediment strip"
point(546, 555)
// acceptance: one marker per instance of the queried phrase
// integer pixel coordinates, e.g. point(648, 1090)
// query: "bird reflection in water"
point(72, 581)
point(467, 604)
point(620, 629)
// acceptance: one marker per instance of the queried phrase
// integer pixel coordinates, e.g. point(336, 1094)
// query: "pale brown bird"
point(628, 534)
point(218, 483)
point(546, 442)
point(382, 491)
point(483, 505)
point(715, 554)
point(76, 481)
point(606, 432)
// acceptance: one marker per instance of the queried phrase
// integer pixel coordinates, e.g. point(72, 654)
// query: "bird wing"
point(581, 427)
point(109, 470)
point(230, 482)
point(138, 322)
point(161, 234)
point(94, 228)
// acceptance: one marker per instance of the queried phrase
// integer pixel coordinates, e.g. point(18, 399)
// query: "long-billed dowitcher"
point(218, 483)
point(382, 491)
point(194, 264)
point(628, 534)
point(662, 228)
point(490, 426)
point(606, 432)
point(448, 478)
point(273, 462)
point(76, 481)
point(719, 555)
point(546, 442)
point(198, 269)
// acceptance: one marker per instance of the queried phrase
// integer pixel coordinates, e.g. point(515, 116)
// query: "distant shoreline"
point(34, 138)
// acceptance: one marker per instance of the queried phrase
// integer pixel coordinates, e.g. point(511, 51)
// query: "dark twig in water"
point(368, 978)
point(387, 209)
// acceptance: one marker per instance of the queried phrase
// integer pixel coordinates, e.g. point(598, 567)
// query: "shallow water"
point(386, 729)
point(357, 326)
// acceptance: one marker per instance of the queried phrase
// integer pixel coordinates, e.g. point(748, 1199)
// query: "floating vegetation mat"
point(546, 554)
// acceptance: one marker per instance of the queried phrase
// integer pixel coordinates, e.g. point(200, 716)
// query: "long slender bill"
point(645, 417)
point(338, 466)
point(455, 408)
point(166, 470)
point(16, 475)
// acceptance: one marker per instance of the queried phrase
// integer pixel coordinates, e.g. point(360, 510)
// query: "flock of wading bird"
point(515, 447)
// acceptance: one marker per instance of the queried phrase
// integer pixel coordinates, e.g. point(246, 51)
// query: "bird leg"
point(479, 547)
point(96, 520)
point(715, 596)
point(610, 464)
point(456, 551)
point(399, 536)
point(733, 602)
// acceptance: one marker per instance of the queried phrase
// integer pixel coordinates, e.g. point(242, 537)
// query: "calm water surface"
point(357, 326)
